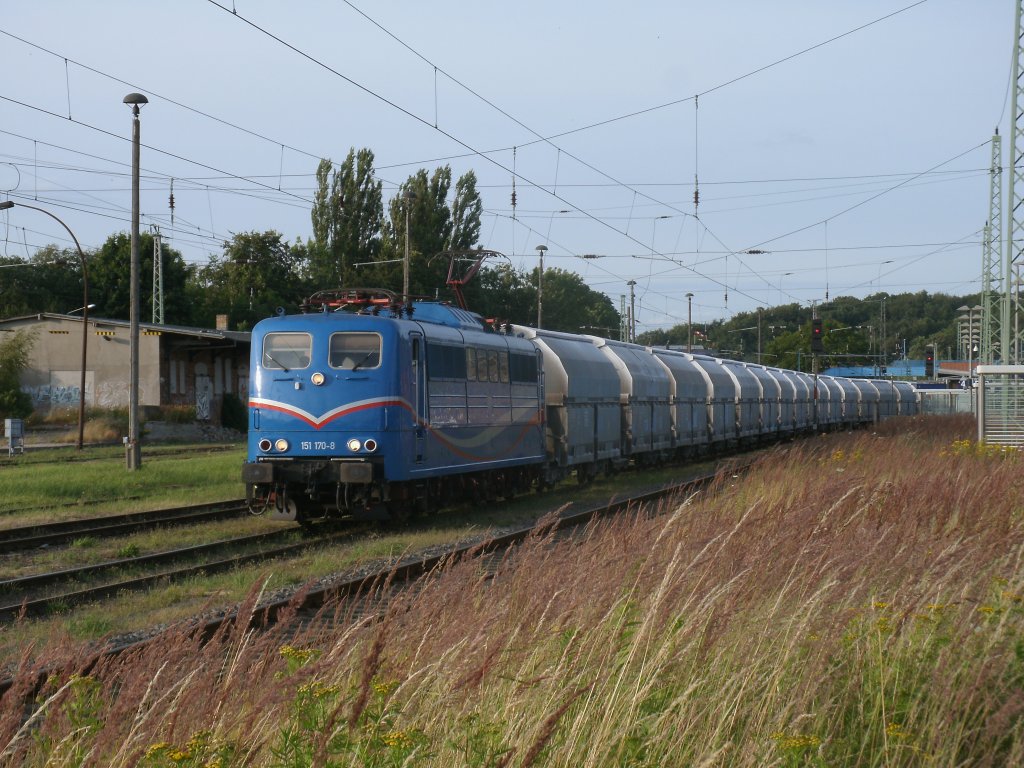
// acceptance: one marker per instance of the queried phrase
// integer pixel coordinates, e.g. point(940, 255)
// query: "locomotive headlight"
point(354, 445)
point(265, 444)
point(370, 444)
point(281, 445)
point(317, 378)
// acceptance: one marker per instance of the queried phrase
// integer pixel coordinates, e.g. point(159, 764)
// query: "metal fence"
point(943, 402)
point(1001, 404)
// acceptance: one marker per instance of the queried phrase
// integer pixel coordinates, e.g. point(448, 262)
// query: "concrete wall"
point(174, 368)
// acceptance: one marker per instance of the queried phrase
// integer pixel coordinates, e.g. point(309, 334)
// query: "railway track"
point(364, 588)
point(57, 455)
point(50, 534)
point(42, 593)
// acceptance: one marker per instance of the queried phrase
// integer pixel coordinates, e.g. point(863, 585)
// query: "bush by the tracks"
point(853, 600)
point(234, 413)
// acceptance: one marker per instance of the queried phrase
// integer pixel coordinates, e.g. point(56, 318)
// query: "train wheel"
point(400, 512)
point(285, 508)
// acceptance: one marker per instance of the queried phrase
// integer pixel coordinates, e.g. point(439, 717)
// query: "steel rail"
point(47, 534)
point(28, 606)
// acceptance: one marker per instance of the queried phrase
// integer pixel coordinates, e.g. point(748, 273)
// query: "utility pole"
point(814, 356)
point(133, 450)
point(689, 323)
point(408, 197)
point(759, 335)
point(632, 310)
point(540, 286)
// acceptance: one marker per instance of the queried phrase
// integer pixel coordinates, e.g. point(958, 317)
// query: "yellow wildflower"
point(798, 741)
point(896, 731)
point(160, 746)
point(396, 740)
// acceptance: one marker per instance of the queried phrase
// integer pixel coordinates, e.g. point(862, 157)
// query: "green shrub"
point(233, 413)
point(178, 414)
point(14, 352)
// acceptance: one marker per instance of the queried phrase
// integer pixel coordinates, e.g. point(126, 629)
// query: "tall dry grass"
point(852, 600)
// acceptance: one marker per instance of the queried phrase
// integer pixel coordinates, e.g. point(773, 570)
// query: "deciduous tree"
point(257, 273)
point(110, 280)
point(347, 216)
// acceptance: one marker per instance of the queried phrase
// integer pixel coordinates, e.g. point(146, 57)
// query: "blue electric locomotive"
point(364, 406)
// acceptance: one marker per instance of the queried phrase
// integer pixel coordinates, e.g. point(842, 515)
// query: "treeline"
point(355, 242)
point(877, 328)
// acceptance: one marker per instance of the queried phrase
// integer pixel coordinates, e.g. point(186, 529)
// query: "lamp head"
point(135, 100)
point(6, 204)
point(541, 248)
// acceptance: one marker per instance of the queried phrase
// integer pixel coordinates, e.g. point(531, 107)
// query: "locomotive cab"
point(387, 409)
point(333, 399)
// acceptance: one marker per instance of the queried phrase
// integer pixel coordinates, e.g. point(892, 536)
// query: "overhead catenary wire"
point(524, 196)
point(412, 115)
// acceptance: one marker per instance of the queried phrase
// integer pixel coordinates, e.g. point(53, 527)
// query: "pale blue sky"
point(795, 159)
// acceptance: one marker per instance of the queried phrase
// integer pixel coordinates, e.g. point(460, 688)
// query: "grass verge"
point(58, 484)
point(855, 600)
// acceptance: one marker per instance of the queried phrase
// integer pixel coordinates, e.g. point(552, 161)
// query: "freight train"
point(369, 407)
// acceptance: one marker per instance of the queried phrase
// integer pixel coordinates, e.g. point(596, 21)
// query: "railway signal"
point(929, 361)
point(817, 345)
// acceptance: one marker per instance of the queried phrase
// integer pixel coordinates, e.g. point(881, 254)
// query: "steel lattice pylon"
point(158, 277)
point(992, 260)
point(1009, 332)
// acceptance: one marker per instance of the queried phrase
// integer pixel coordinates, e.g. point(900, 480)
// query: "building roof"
point(178, 330)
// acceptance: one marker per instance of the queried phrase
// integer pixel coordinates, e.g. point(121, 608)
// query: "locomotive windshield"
point(287, 351)
point(355, 350)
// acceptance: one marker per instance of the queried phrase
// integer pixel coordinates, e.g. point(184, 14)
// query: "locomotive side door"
point(419, 391)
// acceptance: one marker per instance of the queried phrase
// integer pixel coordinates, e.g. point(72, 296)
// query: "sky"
point(839, 148)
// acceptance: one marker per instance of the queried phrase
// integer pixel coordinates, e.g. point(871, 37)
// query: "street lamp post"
point(540, 285)
point(781, 292)
point(85, 313)
point(133, 449)
point(689, 323)
point(654, 230)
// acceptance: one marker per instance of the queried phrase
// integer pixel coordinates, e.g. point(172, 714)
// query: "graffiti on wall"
point(63, 391)
point(55, 397)
point(204, 393)
point(112, 394)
